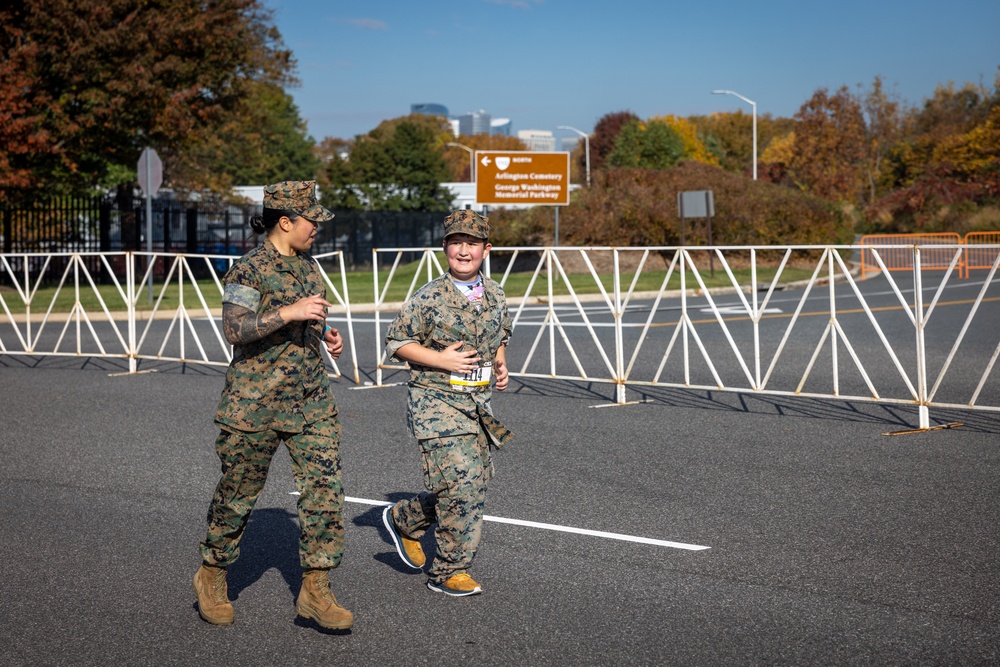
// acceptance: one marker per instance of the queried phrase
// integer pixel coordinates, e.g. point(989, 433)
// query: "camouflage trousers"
point(246, 457)
point(457, 470)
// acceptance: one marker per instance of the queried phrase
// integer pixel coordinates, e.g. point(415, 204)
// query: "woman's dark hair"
point(261, 224)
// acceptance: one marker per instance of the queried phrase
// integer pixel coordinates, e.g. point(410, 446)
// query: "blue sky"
point(544, 63)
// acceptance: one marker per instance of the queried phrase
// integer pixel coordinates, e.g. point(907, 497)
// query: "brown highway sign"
point(522, 177)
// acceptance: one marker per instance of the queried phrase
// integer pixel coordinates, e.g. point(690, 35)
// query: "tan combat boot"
point(316, 601)
point(213, 595)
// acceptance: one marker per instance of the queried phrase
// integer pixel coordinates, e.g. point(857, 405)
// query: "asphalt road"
point(829, 543)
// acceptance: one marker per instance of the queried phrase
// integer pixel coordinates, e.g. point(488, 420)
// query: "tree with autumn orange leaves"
point(950, 112)
point(974, 153)
point(694, 148)
point(86, 84)
point(24, 138)
point(829, 148)
point(958, 188)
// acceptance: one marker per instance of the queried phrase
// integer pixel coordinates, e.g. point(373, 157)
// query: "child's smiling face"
point(465, 255)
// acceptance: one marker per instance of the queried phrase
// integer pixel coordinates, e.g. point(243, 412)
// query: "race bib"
point(475, 379)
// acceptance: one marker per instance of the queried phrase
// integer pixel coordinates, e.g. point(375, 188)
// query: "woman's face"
point(302, 234)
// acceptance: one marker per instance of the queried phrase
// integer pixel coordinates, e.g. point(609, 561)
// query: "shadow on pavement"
point(373, 519)
point(271, 541)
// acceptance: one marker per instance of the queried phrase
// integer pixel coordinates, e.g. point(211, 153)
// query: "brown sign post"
point(522, 177)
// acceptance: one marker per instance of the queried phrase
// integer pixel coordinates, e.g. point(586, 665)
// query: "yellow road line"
point(851, 311)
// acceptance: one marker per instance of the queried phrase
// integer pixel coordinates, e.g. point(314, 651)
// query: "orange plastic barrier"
point(981, 258)
point(901, 258)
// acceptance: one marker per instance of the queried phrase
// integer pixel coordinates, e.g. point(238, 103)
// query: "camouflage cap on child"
point(297, 196)
point(467, 222)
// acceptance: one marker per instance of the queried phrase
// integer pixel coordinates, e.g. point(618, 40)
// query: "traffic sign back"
point(150, 170)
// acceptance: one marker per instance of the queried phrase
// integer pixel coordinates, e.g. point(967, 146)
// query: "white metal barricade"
point(93, 325)
point(128, 328)
point(178, 273)
point(739, 347)
point(429, 266)
point(340, 296)
point(638, 327)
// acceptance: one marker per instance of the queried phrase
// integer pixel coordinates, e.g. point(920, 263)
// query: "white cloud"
point(371, 24)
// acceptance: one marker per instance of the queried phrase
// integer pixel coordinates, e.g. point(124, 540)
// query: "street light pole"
point(586, 139)
point(472, 160)
point(754, 105)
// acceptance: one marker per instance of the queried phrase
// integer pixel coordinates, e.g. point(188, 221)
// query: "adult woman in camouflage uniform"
point(454, 333)
point(274, 314)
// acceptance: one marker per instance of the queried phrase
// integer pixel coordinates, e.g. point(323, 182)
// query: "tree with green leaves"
point(336, 184)
point(398, 166)
point(694, 148)
point(730, 137)
point(331, 146)
point(652, 145)
point(263, 140)
point(606, 131)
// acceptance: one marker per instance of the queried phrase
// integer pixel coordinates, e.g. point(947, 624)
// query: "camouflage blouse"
point(277, 381)
point(438, 315)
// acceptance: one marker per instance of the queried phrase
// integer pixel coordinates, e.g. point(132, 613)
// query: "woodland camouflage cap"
point(297, 196)
point(467, 222)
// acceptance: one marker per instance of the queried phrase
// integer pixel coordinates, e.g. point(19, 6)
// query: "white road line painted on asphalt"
point(615, 405)
point(562, 529)
point(598, 533)
point(738, 310)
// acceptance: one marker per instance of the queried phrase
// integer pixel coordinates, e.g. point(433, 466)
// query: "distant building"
point(430, 109)
point(537, 140)
point(569, 144)
point(255, 193)
point(500, 126)
point(474, 122)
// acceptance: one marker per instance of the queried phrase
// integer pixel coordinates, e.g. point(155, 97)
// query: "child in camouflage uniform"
point(453, 333)
point(274, 314)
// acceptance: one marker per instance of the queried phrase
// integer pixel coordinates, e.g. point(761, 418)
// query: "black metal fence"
point(100, 224)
